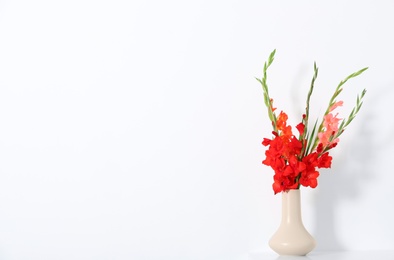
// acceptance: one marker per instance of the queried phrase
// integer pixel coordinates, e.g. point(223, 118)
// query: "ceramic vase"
point(292, 238)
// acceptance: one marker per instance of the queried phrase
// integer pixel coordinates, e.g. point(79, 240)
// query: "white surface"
point(327, 255)
point(133, 129)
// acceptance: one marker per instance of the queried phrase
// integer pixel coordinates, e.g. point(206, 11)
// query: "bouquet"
point(296, 160)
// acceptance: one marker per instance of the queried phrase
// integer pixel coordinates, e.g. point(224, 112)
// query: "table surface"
point(327, 255)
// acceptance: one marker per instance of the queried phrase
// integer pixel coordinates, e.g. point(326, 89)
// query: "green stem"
point(267, 99)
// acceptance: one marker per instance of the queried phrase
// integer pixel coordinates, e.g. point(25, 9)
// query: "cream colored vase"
point(292, 238)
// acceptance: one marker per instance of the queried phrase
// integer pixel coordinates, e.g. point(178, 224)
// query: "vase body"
point(292, 238)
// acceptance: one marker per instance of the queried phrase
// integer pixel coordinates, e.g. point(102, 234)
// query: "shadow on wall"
point(339, 183)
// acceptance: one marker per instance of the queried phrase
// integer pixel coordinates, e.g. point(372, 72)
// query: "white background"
point(133, 129)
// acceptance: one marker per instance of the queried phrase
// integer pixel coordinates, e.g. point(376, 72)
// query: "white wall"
point(132, 129)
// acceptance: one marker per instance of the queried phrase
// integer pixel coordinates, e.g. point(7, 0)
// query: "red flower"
point(300, 127)
point(272, 104)
point(281, 125)
point(284, 157)
point(311, 159)
point(297, 166)
point(309, 177)
point(281, 122)
point(324, 161)
point(266, 142)
point(283, 183)
point(295, 146)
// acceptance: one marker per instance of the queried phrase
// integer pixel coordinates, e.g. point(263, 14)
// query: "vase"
point(292, 238)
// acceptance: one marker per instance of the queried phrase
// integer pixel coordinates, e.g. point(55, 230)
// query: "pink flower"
point(331, 124)
point(335, 105)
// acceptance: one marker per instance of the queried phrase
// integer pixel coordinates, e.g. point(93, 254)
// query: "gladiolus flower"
point(324, 161)
point(331, 124)
point(272, 105)
point(335, 105)
point(300, 127)
point(296, 161)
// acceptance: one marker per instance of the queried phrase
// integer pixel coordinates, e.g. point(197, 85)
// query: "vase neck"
point(291, 206)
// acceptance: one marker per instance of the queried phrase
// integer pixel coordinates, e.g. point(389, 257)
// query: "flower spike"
point(296, 161)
